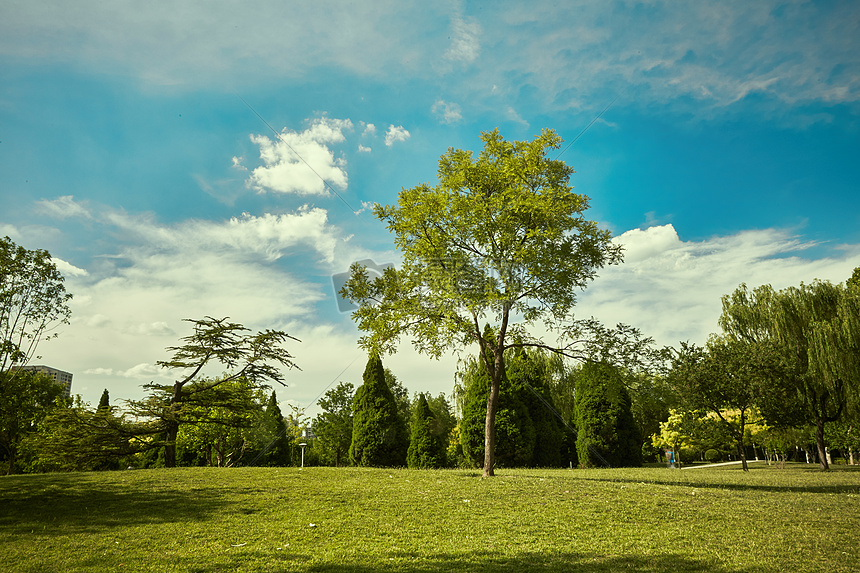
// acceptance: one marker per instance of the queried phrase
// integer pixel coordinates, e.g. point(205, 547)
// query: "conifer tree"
point(378, 435)
point(104, 401)
point(608, 434)
point(279, 452)
point(425, 446)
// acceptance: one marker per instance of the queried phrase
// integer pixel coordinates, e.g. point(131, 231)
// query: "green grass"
point(253, 519)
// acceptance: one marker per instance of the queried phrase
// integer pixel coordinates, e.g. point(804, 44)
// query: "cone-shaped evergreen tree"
point(378, 433)
point(604, 420)
point(528, 375)
point(104, 402)
point(515, 432)
point(279, 452)
point(425, 447)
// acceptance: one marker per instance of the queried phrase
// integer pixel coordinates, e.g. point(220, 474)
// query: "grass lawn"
point(349, 519)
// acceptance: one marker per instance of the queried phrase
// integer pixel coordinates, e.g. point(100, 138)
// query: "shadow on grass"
point(694, 480)
point(470, 562)
point(61, 504)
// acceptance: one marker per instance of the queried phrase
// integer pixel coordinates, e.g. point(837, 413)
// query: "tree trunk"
point(170, 446)
point(490, 427)
point(741, 449)
point(819, 443)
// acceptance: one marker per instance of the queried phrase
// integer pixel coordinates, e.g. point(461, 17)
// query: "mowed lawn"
point(349, 519)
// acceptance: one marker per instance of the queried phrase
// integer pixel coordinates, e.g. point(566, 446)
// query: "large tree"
point(256, 358)
point(33, 302)
point(816, 328)
point(728, 377)
point(500, 240)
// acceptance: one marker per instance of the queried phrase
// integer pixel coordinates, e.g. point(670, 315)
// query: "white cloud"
point(369, 129)
point(64, 207)
point(395, 134)
point(465, 43)
point(258, 270)
point(298, 162)
point(671, 289)
point(363, 149)
point(447, 112)
point(237, 163)
point(68, 268)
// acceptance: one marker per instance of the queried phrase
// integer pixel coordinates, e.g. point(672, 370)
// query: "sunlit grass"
point(327, 519)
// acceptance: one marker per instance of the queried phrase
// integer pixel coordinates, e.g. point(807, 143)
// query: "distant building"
point(64, 378)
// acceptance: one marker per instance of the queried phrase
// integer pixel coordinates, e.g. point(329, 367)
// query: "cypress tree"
point(104, 402)
point(425, 446)
point(279, 452)
point(515, 432)
point(378, 433)
point(528, 374)
point(604, 420)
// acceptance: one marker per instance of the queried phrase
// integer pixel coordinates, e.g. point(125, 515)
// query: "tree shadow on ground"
point(61, 504)
point(842, 488)
point(472, 562)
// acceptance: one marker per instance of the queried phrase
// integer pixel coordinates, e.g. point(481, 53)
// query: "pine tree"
point(425, 445)
point(604, 420)
point(378, 435)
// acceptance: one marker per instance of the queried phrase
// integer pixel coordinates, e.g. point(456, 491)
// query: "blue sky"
point(728, 154)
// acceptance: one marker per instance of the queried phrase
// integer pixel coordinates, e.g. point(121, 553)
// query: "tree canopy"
point(816, 328)
point(33, 301)
point(254, 358)
point(500, 241)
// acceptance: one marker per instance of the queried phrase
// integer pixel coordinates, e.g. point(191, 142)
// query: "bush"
point(713, 456)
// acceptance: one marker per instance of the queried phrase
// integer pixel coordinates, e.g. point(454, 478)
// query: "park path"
point(719, 464)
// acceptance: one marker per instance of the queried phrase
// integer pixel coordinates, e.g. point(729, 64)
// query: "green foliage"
point(426, 445)
point(728, 378)
point(26, 397)
point(500, 233)
point(254, 359)
point(379, 435)
point(607, 432)
point(333, 426)
point(713, 456)
point(276, 435)
point(528, 432)
point(74, 437)
point(104, 401)
point(816, 329)
point(229, 421)
point(33, 301)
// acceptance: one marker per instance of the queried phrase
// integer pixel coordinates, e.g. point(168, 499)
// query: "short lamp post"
point(302, 445)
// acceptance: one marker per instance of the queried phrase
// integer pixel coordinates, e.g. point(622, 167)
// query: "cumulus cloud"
point(68, 268)
point(363, 149)
point(369, 129)
point(446, 112)
point(395, 134)
point(671, 288)
point(298, 162)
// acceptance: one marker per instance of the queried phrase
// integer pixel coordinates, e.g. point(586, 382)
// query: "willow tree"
point(816, 327)
point(501, 240)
